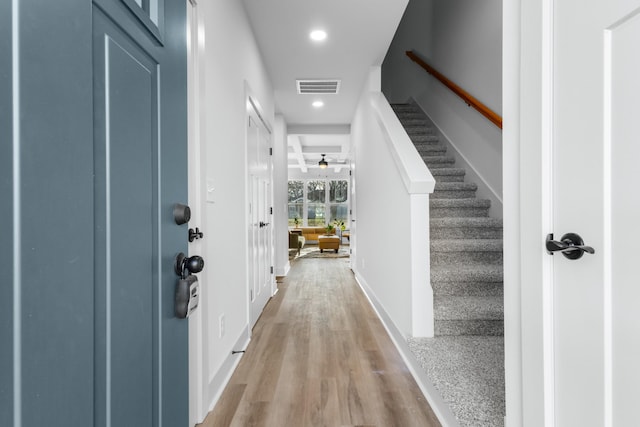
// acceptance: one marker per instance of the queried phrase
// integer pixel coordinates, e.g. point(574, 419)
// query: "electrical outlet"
point(221, 323)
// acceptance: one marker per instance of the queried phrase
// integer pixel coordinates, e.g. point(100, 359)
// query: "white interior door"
point(595, 319)
point(260, 243)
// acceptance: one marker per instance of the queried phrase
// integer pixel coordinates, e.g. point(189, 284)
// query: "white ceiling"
point(359, 34)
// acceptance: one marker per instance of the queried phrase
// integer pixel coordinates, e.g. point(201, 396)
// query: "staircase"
point(466, 276)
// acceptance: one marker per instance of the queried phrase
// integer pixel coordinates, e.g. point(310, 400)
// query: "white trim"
point(607, 244)
point(422, 317)
point(414, 173)
point(547, 194)
point(431, 394)
point(511, 214)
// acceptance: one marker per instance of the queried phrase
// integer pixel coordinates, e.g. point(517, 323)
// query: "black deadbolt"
point(181, 213)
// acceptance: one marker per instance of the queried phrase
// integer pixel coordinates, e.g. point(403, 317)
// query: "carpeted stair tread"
point(422, 139)
point(413, 121)
point(466, 245)
point(431, 149)
point(466, 273)
point(455, 307)
point(468, 288)
point(460, 203)
point(419, 130)
point(454, 190)
point(466, 228)
point(459, 208)
point(449, 174)
point(404, 107)
point(468, 222)
point(466, 253)
point(484, 328)
point(438, 161)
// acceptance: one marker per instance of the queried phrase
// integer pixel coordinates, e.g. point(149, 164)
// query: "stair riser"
point(468, 257)
point(469, 327)
point(458, 212)
point(410, 114)
point(467, 288)
point(419, 130)
point(413, 121)
point(449, 178)
point(466, 232)
point(453, 194)
point(431, 150)
point(424, 139)
point(449, 175)
point(403, 108)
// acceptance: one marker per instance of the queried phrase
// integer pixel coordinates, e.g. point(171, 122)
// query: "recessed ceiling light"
point(318, 35)
point(318, 104)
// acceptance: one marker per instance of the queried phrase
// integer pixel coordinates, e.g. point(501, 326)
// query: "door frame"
point(196, 148)
point(527, 166)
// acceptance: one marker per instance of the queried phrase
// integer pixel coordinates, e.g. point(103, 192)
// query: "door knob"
point(570, 245)
point(263, 224)
point(188, 265)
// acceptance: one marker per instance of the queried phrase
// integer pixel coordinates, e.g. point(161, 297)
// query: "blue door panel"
point(92, 171)
point(6, 217)
point(126, 254)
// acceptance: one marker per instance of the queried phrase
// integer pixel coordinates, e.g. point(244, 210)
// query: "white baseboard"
point(437, 403)
point(228, 367)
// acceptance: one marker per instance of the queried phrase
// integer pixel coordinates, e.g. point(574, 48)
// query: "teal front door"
point(93, 158)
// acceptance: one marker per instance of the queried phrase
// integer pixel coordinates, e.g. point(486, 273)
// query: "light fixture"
point(318, 35)
point(323, 163)
point(318, 104)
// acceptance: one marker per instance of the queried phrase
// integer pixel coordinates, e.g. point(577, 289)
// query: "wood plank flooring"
point(319, 356)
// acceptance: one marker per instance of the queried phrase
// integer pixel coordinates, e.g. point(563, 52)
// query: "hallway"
point(319, 356)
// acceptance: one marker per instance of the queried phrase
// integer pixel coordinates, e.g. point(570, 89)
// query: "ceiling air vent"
point(318, 87)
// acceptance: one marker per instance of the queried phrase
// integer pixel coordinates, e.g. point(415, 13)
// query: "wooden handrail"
point(466, 97)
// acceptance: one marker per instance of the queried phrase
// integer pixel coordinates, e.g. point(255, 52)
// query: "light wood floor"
point(319, 356)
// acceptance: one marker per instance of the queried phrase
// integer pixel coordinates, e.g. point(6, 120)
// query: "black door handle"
point(570, 245)
point(184, 266)
point(263, 224)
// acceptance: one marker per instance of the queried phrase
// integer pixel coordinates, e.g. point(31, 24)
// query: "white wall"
point(463, 40)
point(232, 67)
point(280, 211)
point(391, 241)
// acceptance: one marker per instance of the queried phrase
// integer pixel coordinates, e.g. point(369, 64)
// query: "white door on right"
point(595, 181)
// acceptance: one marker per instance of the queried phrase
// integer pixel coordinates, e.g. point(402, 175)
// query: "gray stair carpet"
point(465, 360)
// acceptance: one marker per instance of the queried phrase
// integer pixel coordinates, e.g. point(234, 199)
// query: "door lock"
point(187, 294)
point(195, 235)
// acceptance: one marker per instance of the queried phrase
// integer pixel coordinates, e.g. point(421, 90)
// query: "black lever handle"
point(570, 245)
point(263, 224)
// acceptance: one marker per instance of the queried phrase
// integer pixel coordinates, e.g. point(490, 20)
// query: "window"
point(318, 202)
point(338, 196)
point(296, 202)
